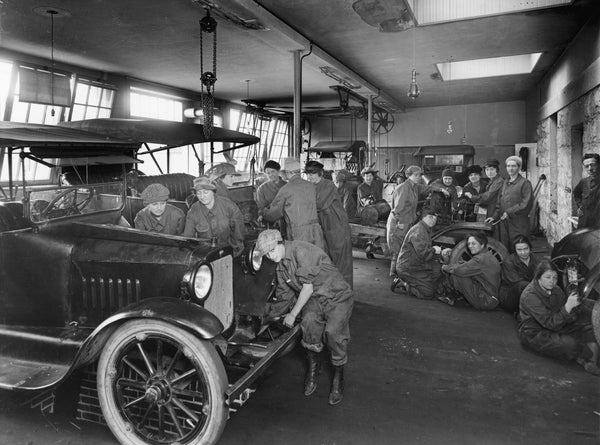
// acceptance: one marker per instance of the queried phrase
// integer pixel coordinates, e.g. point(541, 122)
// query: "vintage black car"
point(577, 256)
point(176, 330)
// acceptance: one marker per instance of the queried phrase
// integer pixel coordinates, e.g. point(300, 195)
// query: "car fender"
point(187, 315)
point(591, 281)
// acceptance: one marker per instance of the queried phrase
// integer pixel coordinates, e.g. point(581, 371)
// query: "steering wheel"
point(71, 207)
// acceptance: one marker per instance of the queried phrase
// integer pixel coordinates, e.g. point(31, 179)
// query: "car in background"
point(174, 330)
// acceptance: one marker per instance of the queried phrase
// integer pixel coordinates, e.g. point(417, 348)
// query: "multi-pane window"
point(273, 134)
point(150, 104)
point(6, 69)
point(91, 101)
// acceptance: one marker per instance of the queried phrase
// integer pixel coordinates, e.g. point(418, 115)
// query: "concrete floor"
point(420, 372)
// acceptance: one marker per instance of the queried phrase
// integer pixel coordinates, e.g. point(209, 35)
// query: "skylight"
point(491, 67)
point(427, 12)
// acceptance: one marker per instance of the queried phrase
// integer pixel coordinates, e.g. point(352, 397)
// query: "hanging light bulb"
point(449, 130)
point(413, 90)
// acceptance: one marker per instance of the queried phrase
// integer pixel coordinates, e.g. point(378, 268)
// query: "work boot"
point(337, 385)
point(314, 364)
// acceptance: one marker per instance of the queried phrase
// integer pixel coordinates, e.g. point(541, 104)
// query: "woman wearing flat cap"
point(317, 293)
point(222, 175)
point(158, 216)
point(369, 191)
point(333, 220)
point(487, 198)
point(215, 219)
point(515, 200)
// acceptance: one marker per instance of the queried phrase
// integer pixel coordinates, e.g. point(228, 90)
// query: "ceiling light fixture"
point(413, 90)
point(449, 130)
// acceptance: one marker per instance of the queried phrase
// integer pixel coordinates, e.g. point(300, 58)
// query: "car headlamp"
point(255, 259)
point(202, 281)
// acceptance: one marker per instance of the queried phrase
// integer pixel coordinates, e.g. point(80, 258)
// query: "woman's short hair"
point(521, 239)
point(480, 237)
point(543, 267)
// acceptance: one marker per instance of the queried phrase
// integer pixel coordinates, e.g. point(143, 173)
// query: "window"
point(153, 105)
point(34, 171)
point(273, 134)
point(5, 77)
point(92, 100)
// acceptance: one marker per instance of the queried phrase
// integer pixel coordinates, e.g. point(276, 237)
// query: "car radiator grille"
point(109, 294)
point(220, 300)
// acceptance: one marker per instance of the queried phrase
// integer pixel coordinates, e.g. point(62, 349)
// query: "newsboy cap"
point(493, 163)
point(313, 167)
point(448, 172)
point(204, 183)
point(366, 170)
point(267, 240)
point(155, 193)
point(219, 170)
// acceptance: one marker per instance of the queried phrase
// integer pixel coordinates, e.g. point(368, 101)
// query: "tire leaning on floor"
point(158, 383)
point(596, 320)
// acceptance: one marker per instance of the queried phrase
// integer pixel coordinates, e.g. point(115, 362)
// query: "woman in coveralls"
point(323, 298)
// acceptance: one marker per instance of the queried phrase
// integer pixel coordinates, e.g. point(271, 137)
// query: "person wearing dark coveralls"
point(266, 192)
point(158, 216)
point(296, 203)
point(403, 215)
point(517, 272)
point(215, 219)
point(333, 220)
point(513, 205)
point(418, 266)
point(477, 279)
point(489, 196)
point(368, 191)
point(444, 201)
point(222, 175)
point(323, 299)
point(340, 180)
point(556, 325)
point(474, 187)
point(587, 193)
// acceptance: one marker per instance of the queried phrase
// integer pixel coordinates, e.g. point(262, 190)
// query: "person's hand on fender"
point(289, 320)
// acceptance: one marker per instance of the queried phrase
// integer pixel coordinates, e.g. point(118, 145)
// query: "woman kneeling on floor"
point(477, 279)
point(557, 325)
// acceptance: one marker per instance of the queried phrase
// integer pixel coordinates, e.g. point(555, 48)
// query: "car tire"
point(461, 251)
point(158, 383)
point(596, 320)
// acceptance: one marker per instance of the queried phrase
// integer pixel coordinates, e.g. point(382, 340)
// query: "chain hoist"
point(208, 78)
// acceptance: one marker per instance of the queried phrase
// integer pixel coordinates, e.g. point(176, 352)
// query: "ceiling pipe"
point(273, 22)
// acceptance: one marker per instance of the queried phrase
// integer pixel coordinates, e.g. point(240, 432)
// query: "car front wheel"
point(159, 384)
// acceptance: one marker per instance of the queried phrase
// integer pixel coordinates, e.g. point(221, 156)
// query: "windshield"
point(59, 202)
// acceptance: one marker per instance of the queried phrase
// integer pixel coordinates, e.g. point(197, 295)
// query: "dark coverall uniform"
point(266, 192)
point(403, 215)
point(469, 203)
point(516, 199)
point(171, 222)
point(516, 275)
point(335, 226)
point(224, 222)
point(489, 197)
point(222, 189)
point(587, 197)
point(296, 203)
point(348, 202)
point(547, 328)
point(443, 205)
point(417, 264)
point(365, 191)
point(326, 314)
point(478, 280)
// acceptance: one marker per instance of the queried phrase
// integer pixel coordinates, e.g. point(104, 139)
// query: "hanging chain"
point(208, 78)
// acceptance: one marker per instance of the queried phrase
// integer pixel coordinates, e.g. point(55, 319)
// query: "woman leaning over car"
point(557, 325)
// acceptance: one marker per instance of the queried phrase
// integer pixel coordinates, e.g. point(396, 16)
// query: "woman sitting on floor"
point(477, 279)
point(557, 325)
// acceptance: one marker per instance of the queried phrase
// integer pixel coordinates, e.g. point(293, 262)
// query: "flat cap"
point(366, 170)
point(204, 183)
point(291, 165)
point(219, 170)
point(267, 240)
point(155, 193)
point(492, 163)
point(313, 167)
point(474, 169)
point(448, 172)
